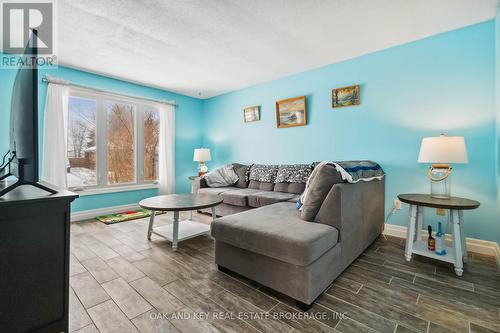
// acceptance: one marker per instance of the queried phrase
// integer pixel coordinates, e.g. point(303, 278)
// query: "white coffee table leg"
point(410, 232)
point(175, 233)
point(151, 222)
point(462, 235)
point(457, 243)
point(190, 215)
point(214, 216)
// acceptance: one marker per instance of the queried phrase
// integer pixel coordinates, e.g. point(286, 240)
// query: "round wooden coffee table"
point(457, 254)
point(179, 230)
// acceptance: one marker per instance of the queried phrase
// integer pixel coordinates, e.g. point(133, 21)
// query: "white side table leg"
point(190, 215)
point(420, 222)
point(462, 235)
point(151, 222)
point(457, 243)
point(175, 233)
point(410, 232)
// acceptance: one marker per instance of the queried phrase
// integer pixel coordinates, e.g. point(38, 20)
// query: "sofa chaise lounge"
point(264, 237)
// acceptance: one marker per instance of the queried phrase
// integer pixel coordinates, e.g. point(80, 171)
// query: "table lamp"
point(441, 151)
point(201, 155)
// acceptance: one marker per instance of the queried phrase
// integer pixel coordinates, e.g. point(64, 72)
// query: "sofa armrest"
point(197, 183)
point(349, 204)
point(357, 211)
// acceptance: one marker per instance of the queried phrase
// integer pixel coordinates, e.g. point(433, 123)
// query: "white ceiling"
point(203, 48)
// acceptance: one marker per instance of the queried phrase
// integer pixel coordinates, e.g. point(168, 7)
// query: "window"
point(151, 143)
point(120, 142)
point(81, 143)
point(111, 141)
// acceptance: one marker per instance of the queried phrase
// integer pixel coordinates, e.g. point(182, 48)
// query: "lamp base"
point(202, 169)
point(440, 177)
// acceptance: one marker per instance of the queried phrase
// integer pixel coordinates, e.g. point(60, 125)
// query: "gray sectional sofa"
point(255, 190)
point(263, 236)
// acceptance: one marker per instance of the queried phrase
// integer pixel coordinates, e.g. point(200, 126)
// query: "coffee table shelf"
point(187, 229)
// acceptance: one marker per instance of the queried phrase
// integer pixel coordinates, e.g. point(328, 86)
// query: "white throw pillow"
point(223, 176)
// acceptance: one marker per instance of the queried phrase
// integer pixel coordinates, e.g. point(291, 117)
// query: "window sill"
point(115, 189)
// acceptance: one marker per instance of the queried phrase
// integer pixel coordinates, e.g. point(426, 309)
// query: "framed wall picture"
point(346, 96)
point(291, 112)
point(251, 113)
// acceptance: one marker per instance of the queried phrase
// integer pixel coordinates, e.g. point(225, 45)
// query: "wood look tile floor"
point(120, 282)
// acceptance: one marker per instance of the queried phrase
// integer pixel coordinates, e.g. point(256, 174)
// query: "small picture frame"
point(346, 96)
point(251, 113)
point(291, 112)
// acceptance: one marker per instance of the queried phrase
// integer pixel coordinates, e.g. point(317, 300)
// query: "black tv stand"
point(34, 260)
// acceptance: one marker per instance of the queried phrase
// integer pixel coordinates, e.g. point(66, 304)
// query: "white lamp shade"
point(202, 155)
point(443, 149)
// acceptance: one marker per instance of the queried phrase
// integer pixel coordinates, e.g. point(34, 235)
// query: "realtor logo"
point(20, 19)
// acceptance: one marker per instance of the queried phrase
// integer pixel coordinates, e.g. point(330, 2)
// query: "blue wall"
point(188, 128)
point(444, 83)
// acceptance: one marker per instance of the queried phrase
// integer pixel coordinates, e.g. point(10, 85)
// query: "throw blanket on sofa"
point(351, 171)
point(223, 176)
point(355, 171)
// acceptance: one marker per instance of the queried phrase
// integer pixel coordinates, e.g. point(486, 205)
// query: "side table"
point(455, 206)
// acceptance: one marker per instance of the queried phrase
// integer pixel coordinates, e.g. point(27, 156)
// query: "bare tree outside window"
point(151, 143)
point(120, 142)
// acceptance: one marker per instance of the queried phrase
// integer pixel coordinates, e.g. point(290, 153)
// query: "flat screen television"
point(22, 159)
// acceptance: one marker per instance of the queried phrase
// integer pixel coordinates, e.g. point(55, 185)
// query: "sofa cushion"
point(263, 186)
point(216, 190)
point(278, 232)
point(296, 188)
point(293, 173)
point(263, 173)
point(321, 181)
point(241, 170)
point(221, 177)
point(238, 197)
point(265, 198)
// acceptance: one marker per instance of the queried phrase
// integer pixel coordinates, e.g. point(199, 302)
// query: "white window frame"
point(101, 144)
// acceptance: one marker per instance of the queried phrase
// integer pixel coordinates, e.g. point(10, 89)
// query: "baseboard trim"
point(92, 213)
point(473, 244)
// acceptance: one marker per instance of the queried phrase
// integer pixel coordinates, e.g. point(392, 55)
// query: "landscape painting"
point(291, 112)
point(251, 113)
point(346, 96)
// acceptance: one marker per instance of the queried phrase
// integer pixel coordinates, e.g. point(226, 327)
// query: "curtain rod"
point(56, 80)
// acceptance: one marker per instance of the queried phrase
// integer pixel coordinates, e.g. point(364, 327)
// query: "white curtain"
point(54, 154)
point(167, 149)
